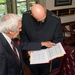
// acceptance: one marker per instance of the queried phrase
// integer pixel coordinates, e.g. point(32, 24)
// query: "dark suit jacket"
point(34, 32)
point(9, 64)
point(50, 31)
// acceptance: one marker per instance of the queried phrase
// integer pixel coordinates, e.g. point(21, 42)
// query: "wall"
point(49, 4)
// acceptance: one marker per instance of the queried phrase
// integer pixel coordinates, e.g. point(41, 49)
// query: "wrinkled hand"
point(47, 44)
point(29, 52)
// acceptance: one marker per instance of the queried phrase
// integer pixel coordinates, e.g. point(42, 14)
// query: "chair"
point(72, 29)
point(27, 71)
point(67, 63)
point(71, 39)
point(65, 30)
point(57, 70)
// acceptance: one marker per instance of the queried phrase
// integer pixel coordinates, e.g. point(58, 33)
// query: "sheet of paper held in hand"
point(45, 55)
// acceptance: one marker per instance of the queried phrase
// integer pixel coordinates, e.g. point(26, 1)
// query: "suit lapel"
point(20, 55)
point(9, 49)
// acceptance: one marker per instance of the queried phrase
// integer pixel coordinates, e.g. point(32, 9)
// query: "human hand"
point(47, 44)
point(29, 52)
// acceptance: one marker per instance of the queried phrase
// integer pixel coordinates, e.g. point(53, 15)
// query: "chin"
point(14, 37)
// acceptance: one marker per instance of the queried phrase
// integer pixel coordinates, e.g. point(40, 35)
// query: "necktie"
point(14, 49)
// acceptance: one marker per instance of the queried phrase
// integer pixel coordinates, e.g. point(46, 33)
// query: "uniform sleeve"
point(2, 62)
point(23, 36)
point(25, 44)
point(30, 46)
point(58, 35)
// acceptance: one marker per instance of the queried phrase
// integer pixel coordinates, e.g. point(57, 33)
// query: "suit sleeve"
point(2, 62)
point(58, 35)
point(25, 43)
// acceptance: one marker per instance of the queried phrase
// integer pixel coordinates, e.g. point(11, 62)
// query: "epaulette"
point(28, 12)
point(55, 15)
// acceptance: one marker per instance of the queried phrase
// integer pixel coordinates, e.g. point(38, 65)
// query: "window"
point(21, 6)
point(5, 7)
point(24, 5)
point(15, 6)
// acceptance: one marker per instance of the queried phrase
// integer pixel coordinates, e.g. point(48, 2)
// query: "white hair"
point(9, 22)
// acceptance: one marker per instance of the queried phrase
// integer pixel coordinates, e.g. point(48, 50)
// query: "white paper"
point(45, 55)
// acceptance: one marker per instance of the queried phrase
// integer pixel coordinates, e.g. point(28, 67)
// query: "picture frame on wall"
point(63, 2)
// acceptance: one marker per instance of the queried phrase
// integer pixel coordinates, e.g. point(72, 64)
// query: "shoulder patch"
point(28, 12)
point(55, 16)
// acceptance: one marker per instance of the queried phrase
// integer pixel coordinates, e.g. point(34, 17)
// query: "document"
point(46, 55)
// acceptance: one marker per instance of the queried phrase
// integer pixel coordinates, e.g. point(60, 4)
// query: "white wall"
point(49, 4)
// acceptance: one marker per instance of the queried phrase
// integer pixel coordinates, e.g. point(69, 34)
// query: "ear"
point(10, 32)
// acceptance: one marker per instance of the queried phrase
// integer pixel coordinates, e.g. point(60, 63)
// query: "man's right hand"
point(47, 44)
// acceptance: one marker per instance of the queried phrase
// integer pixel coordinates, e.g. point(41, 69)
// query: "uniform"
point(34, 32)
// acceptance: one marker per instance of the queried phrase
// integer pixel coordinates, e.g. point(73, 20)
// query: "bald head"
point(38, 12)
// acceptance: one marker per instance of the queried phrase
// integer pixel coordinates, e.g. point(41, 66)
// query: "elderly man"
point(11, 62)
point(41, 29)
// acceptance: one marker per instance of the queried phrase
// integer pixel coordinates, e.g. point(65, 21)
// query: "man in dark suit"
point(41, 29)
point(11, 62)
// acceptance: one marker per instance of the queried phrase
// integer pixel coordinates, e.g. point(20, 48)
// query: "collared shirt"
point(9, 41)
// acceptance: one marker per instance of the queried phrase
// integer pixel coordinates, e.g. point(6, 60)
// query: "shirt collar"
point(7, 38)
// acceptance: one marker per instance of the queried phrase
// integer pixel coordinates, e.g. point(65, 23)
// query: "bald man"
point(41, 29)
